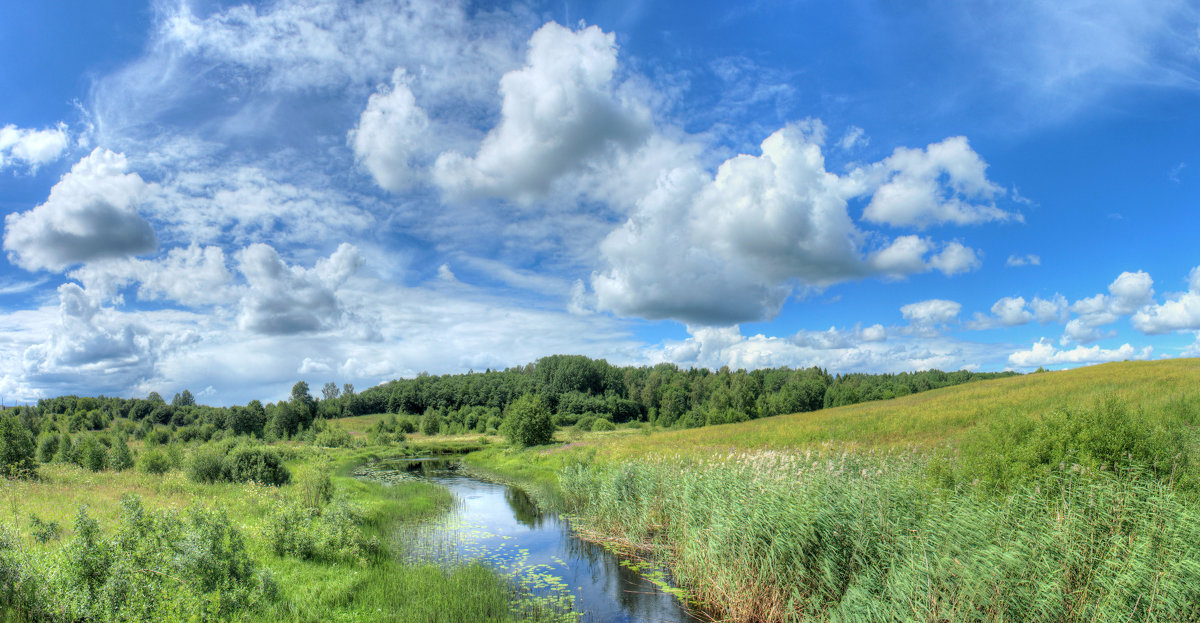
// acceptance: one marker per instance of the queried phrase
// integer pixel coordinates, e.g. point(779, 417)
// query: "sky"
point(229, 198)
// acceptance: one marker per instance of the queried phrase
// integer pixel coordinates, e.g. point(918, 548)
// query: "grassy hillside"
point(940, 415)
point(1059, 496)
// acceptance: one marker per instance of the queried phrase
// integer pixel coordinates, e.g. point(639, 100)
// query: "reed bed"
point(867, 536)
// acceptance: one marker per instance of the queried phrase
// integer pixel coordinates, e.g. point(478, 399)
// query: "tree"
point(431, 422)
point(16, 449)
point(183, 399)
point(528, 422)
point(348, 389)
point(330, 391)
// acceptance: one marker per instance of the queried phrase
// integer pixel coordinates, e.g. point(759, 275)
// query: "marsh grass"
point(795, 536)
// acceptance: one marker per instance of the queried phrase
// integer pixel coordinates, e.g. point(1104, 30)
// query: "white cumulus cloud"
point(284, 299)
point(391, 134)
point(92, 213)
point(943, 183)
point(1180, 312)
point(559, 111)
point(31, 148)
point(1043, 353)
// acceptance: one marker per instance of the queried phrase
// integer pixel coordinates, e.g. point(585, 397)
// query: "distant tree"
point(330, 391)
point(528, 422)
point(155, 398)
point(17, 454)
point(303, 403)
point(348, 389)
point(183, 399)
point(119, 456)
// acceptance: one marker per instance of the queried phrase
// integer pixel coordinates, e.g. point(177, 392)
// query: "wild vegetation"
point(1064, 496)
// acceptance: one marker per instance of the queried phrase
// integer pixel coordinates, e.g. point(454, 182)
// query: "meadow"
point(83, 545)
point(1065, 496)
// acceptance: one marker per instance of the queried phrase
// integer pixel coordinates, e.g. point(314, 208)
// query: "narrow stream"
point(503, 526)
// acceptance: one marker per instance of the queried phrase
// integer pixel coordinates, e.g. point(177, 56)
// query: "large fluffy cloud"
point(943, 183)
point(558, 111)
point(1128, 292)
point(391, 133)
point(284, 299)
point(1180, 312)
point(719, 249)
point(731, 247)
point(31, 148)
point(91, 213)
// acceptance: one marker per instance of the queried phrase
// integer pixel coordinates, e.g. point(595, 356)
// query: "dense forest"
point(579, 391)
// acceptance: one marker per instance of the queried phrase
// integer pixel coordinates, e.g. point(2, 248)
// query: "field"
point(345, 581)
point(1065, 496)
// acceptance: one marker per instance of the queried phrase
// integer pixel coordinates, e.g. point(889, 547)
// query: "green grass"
point(381, 588)
point(1062, 496)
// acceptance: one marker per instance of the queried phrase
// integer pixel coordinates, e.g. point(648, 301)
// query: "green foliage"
point(527, 422)
point(92, 454)
point(1011, 448)
point(47, 447)
point(260, 464)
point(333, 437)
point(777, 537)
point(206, 465)
point(329, 533)
point(43, 531)
point(314, 488)
point(17, 455)
point(602, 425)
point(431, 423)
point(154, 461)
point(119, 456)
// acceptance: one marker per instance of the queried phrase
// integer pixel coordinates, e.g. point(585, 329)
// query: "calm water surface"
point(502, 525)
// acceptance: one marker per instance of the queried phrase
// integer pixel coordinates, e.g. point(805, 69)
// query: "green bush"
point(313, 486)
point(256, 463)
point(119, 456)
point(43, 531)
point(602, 425)
point(47, 447)
point(154, 461)
point(17, 455)
point(207, 465)
point(527, 422)
point(333, 437)
point(431, 423)
point(92, 454)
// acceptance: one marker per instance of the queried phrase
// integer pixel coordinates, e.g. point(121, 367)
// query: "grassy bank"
point(1067, 496)
point(282, 553)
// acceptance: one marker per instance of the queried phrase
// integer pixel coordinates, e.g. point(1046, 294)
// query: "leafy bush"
point(256, 463)
point(333, 437)
point(207, 465)
point(119, 456)
point(528, 422)
point(154, 461)
point(43, 531)
point(431, 423)
point(17, 456)
point(92, 454)
point(602, 425)
point(47, 447)
point(314, 486)
point(331, 534)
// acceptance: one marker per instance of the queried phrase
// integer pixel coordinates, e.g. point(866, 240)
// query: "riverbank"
point(321, 548)
point(1080, 506)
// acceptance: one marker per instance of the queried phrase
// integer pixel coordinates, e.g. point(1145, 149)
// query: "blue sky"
point(230, 197)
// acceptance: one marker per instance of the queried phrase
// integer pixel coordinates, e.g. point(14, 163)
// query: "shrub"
point(119, 456)
point(47, 447)
point(257, 463)
point(528, 422)
point(154, 461)
point(333, 437)
point(92, 454)
point(314, 486)
point(207, 465)
point(43, 531)
point(603, 425)
point(17, 456)
point(407, 426)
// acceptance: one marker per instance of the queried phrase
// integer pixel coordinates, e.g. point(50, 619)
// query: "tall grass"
point(800, 536)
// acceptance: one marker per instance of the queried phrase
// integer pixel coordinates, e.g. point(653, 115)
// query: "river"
point(504, 527)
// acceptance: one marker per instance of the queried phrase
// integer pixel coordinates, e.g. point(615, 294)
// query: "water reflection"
point(504, 526)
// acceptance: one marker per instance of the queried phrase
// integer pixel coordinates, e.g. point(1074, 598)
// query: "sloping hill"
point(941, 415)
